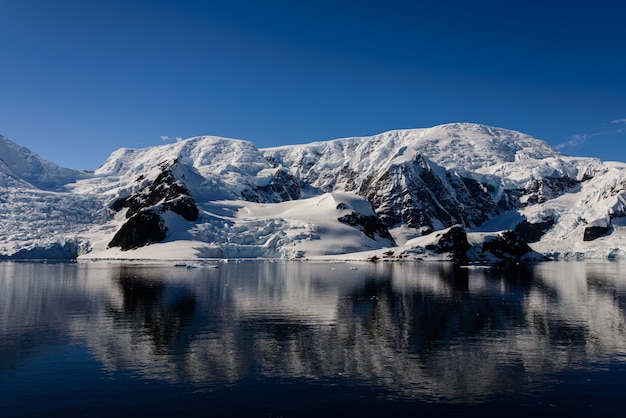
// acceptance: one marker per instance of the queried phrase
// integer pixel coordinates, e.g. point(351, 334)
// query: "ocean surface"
point(293, 339)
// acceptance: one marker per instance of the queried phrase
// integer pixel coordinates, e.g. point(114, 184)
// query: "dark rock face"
point(505, 247)
point(510, 199)
point(165, 190)
point(425, 196)
point(453, 241)
point(370, 225)
point(532, 232)
point(536, 191)
point(282, 187)
point(544, 189)
point(508, 248)
point(344, 179)
point(482, 207)
point(271, 160)
point(145, 224)
point(141, 229)
point(594, 232)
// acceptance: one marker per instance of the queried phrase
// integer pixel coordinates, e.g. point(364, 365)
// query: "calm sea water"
point(312, 339)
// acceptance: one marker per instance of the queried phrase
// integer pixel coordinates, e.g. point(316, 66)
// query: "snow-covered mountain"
point(22, 168)
point(449, 192)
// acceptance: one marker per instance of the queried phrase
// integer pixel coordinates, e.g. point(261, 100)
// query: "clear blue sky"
point(81, 78)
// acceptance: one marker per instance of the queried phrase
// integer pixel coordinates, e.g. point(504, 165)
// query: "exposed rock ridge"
point(144, 208)
point(427, 197)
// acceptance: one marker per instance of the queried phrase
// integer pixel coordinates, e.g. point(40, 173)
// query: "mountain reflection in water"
point(426, 331)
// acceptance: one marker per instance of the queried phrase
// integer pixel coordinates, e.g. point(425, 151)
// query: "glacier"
point(463, 192)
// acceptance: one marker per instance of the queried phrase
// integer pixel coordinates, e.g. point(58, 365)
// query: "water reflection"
point(419, 330)
point(150, 309)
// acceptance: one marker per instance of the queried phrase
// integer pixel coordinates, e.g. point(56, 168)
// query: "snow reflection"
point(428, 330)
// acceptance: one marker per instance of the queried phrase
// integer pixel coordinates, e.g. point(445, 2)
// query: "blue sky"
point(79, 79)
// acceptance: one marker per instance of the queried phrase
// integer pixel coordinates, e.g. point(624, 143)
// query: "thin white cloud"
point(579, 139)
point(167, 138)
point(574, 141)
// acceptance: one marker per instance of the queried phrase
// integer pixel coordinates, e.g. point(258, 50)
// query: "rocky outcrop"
point(457, 245)
point(426, 197)
point(507, 246)
point(594, 232)
point(510, 199)
point(281, 188)
point(453, 241)
point(166, 192)
point(141, 229)
point(537, 191)
point(370, 225)
point(144, 208)
point(532, 232)
point(544, 189)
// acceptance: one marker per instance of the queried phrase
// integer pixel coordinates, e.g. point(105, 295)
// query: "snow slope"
point(240, 229)
point(600, 203)
point(215, 167)
point(225, 198)
point(20, 167)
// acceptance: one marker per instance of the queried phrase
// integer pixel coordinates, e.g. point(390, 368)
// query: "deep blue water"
point(312, 339)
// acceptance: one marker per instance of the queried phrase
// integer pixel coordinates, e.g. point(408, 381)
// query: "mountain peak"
point(20, 167)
